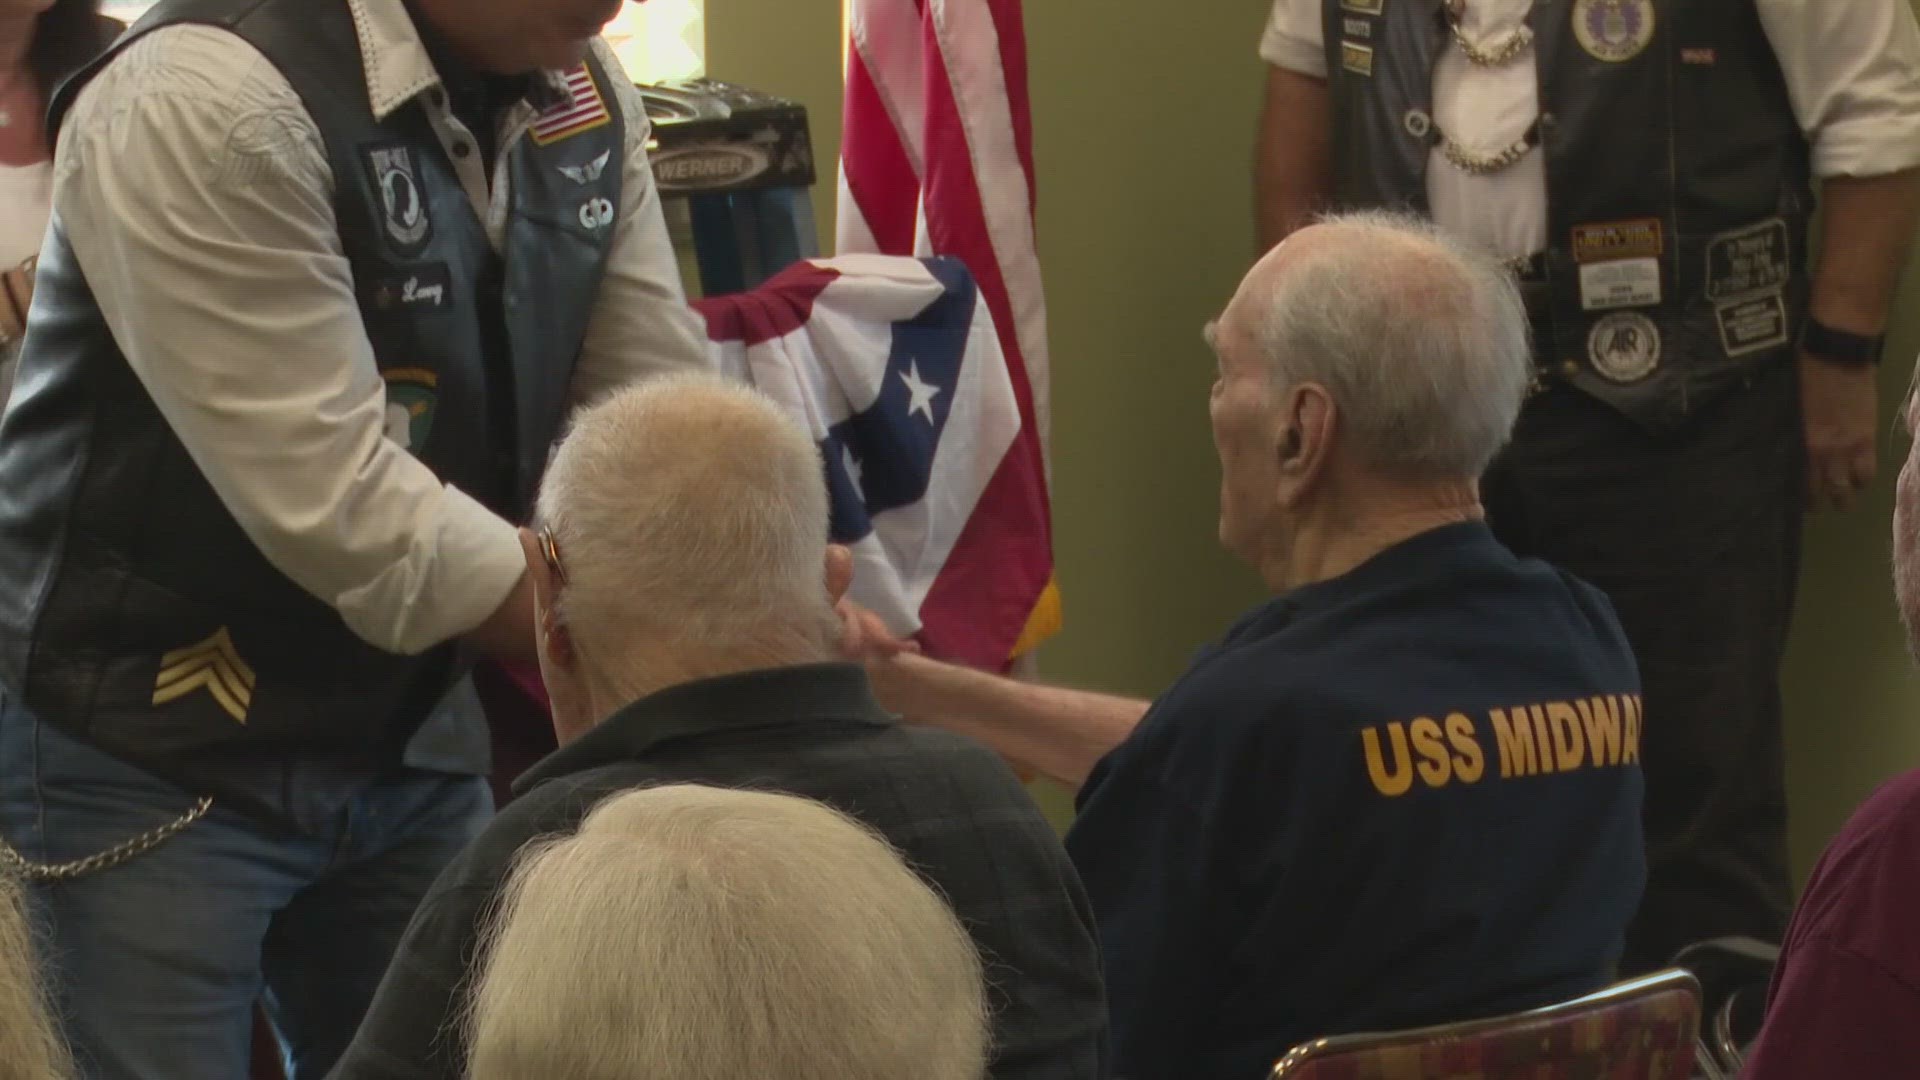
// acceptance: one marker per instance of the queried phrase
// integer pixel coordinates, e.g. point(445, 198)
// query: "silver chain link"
point(1511, 47)
point(1492, 56)
point(1482, 164)
point(1485, 56)
point(113, 856)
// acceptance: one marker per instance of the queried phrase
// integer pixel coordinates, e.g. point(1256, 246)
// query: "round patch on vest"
point(1624, 347)
point(412, 395)
point(1418, 124)
point(1613, 30)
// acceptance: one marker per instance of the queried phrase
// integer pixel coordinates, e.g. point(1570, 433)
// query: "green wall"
point(1143, 116)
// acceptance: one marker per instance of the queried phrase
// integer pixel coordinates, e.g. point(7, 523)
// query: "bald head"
point(689, 510)
point(1420, 340)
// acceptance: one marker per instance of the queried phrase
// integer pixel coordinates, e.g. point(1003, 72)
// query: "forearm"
point(1867, 226)
point(1292, 160)
point(195, 196)
point(1061, 734)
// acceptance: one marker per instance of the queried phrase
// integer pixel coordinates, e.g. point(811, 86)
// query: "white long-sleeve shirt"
point(195, 191)
point(1852, 70)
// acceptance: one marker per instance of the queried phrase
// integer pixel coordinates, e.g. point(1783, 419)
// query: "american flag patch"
point(585, 110)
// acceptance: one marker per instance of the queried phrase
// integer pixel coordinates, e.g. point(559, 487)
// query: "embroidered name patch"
point(424, 285)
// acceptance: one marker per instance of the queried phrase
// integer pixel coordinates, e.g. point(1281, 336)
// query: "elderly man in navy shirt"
point(1406, 789)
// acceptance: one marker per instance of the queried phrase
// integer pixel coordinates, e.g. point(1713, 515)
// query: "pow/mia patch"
point(1613, 30)
point(412, 396)
point(403, 202)
point(1624, 347)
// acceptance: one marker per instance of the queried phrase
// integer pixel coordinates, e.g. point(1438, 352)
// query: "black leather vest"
point(134, 611)
point(1677, 183)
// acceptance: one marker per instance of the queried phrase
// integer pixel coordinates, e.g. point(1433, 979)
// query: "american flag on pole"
point(937, 160)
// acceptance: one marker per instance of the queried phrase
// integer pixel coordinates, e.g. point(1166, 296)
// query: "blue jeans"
point(156, 963)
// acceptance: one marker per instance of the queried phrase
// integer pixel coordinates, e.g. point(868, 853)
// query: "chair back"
point(1734, 975)
point(1641, 1029)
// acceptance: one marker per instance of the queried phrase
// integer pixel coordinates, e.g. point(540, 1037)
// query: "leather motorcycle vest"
point(1678, 188)
point(135, 613)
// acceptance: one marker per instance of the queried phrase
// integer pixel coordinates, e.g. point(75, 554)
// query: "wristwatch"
point(1840, 346)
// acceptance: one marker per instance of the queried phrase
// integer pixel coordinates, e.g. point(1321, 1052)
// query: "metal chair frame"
point(1658, 982)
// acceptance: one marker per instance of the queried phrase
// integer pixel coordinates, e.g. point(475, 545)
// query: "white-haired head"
point(30, 1046)
point(695, 933)
point(1421, 339)
point(689, 519)
point(1370, 368)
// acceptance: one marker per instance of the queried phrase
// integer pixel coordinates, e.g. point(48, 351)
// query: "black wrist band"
point(1840, 346)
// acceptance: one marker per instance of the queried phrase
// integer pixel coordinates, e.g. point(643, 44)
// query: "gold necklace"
point(1497, 55)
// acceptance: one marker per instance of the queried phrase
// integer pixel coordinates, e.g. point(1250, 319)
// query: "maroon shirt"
point(1845, 999)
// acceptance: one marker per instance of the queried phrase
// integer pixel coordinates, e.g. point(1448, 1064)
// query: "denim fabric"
point(156, 962)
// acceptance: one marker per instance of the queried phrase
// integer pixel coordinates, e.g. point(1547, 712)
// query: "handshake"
point(864, 637)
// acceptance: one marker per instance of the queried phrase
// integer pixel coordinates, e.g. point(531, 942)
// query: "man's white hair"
point(1421, 339)
point(689, 510)
point(30, 1046)
point(696, 933)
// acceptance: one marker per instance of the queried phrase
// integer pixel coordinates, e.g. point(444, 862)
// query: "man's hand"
point(508, 633)
point(863, 636)
point(1838, 403)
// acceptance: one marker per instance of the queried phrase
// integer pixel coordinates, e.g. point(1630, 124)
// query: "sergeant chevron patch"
point(213, 664)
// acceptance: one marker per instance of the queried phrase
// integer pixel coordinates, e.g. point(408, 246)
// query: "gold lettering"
point(1631, 755)
point(1541, 738)
point(1602, 721)
point(1468, 762)
point(1515, 743)
point(1400, 779)
point(1437, 768)
point(1568, 750)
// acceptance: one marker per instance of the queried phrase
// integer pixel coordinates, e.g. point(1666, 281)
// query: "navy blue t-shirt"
point(1404, 796)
